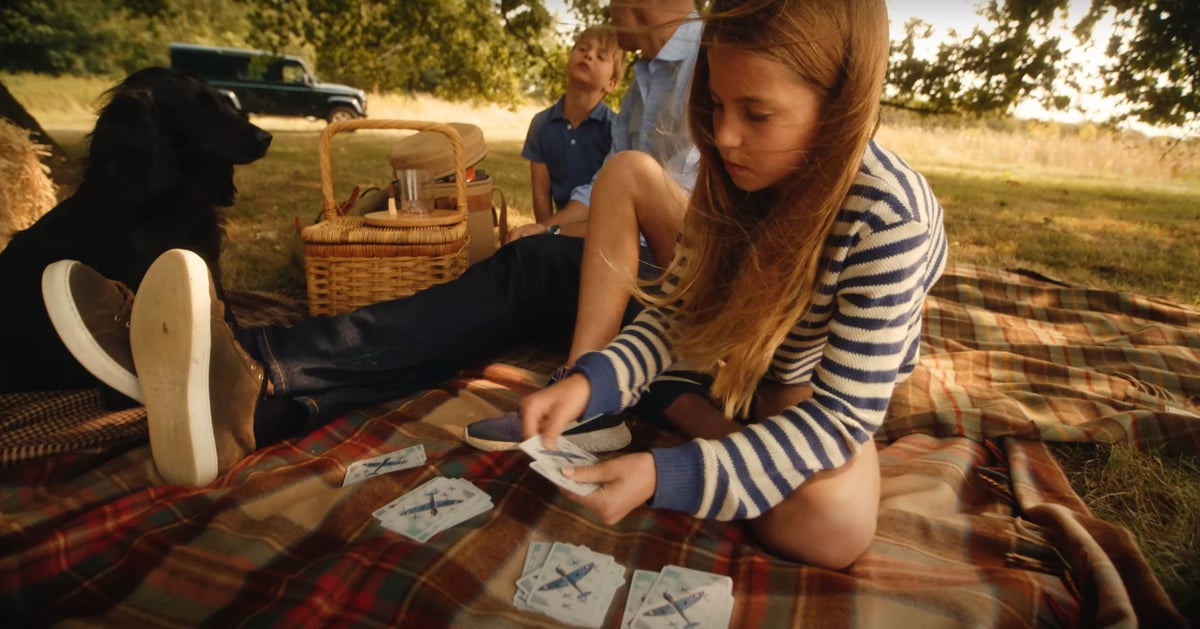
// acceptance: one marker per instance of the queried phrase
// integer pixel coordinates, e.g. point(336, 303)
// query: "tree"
point(1021, 53)
point(109, 37)
point(484, 50)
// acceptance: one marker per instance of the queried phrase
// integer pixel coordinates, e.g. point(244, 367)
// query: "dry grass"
point(1084, 205)
point(1155, 498)
point(1028, 149)
point(26, 192)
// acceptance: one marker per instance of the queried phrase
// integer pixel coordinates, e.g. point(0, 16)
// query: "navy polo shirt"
point(571, 154)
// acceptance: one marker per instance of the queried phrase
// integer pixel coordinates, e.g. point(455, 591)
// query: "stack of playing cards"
point(435, 506)
point(569, 583)
point(678, 597)
point(409, 457)
point(549, 462)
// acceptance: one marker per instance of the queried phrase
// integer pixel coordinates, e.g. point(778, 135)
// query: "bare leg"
point(828, 521)
point(632, 194)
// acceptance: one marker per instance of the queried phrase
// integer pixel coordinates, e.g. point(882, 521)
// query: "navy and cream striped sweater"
point(859, 338)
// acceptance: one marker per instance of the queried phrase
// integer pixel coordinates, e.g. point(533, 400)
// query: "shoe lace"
point(558, 374)
point(125, 297)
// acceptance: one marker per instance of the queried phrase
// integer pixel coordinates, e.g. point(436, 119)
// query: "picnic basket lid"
point(430, 150)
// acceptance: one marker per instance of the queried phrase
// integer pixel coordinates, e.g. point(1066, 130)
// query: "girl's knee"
point(830, 520)
point(823, 540)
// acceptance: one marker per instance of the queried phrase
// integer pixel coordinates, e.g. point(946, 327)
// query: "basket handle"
point(326, 170)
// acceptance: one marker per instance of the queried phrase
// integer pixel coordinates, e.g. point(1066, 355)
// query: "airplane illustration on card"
point(677, 606)
point(563, 454)
point(375, 466)
point(571, 578)
point(431, 506)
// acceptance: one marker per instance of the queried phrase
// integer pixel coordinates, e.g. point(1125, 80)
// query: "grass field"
point(1080, 204)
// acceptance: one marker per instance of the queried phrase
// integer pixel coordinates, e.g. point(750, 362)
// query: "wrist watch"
point(553, 230)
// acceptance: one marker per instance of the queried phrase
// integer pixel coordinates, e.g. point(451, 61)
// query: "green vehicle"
point(259, 82)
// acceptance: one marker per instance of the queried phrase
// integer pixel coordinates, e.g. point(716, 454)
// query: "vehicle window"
point(239, 67)
point(294, 73)
point(259, 69)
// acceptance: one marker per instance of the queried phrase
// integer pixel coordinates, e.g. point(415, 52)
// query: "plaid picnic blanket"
point(977, 528)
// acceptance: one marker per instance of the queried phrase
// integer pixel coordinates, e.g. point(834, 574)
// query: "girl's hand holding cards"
point(626, 483)
point(610, 488)
point(547, 412)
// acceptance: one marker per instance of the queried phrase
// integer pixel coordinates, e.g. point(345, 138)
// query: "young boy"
point(568, 141)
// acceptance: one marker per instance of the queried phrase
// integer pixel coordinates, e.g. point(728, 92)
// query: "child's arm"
point(539, 185)
point(871, 344)
point(548, 411)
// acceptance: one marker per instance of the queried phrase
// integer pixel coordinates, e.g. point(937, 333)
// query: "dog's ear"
point(128, 152)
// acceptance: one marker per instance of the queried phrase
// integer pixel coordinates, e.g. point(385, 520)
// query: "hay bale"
point(26, 191)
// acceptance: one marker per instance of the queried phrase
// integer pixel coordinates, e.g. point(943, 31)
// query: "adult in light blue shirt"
point(666, 33)
point(630, 215)
point(652, 116)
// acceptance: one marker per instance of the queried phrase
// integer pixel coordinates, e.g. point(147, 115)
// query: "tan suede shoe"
point(200, 387)
point(91, 315)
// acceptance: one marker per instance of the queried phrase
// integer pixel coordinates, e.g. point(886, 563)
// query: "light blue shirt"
point(653, 117)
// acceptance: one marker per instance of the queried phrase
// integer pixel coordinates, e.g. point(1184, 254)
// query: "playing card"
point(564, 453)
point(535, 556)
point(576, 585)
point(409, 457)
point(554, 475)
point(433, 507)
point(638, 587)
point(701, 600)
point(549, 462)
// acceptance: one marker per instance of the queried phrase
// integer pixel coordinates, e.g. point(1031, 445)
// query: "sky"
point(960, 16)
point(943, 13)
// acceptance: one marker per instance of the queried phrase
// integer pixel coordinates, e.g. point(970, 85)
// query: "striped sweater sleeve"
point(747, 473)
point(890, 257)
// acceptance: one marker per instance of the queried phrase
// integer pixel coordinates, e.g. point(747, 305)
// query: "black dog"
point(160, 165)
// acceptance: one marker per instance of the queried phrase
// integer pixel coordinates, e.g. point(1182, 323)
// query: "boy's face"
point(591, 64)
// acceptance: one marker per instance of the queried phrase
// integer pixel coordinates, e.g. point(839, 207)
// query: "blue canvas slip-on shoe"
point(603, 433)
point(91, 315)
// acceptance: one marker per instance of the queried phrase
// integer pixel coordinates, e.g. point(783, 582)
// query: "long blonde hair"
point(750, 262)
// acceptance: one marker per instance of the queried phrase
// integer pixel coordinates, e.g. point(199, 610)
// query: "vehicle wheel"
point(340, 113)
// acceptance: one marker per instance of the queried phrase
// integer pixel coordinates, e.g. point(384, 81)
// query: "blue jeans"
point(528, 291)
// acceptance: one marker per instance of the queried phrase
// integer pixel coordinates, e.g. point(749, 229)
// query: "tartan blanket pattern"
point(39, 424)
point(1008, 353)
point(977, 528)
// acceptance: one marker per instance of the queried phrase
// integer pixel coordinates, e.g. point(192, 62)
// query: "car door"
point(288, 85)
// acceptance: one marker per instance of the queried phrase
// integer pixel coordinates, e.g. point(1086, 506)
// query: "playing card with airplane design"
point(433, 507)
point(549, 462)
point(684, 598)
point(403, 459)
point(574, 585)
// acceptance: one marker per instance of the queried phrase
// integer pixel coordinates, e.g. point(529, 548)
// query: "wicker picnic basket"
point(350, 263)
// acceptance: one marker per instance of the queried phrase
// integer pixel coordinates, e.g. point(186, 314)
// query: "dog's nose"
point(262, 138)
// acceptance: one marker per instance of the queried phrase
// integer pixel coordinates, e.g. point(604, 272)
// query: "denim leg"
point(526, 291)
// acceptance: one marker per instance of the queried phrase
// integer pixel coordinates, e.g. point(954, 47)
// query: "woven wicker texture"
point(349, 264)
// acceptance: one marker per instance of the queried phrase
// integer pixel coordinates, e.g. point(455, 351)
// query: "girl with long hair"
point(799, 281)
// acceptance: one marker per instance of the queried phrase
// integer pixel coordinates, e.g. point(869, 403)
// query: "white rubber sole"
point(170, 335)
point(68, 323)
